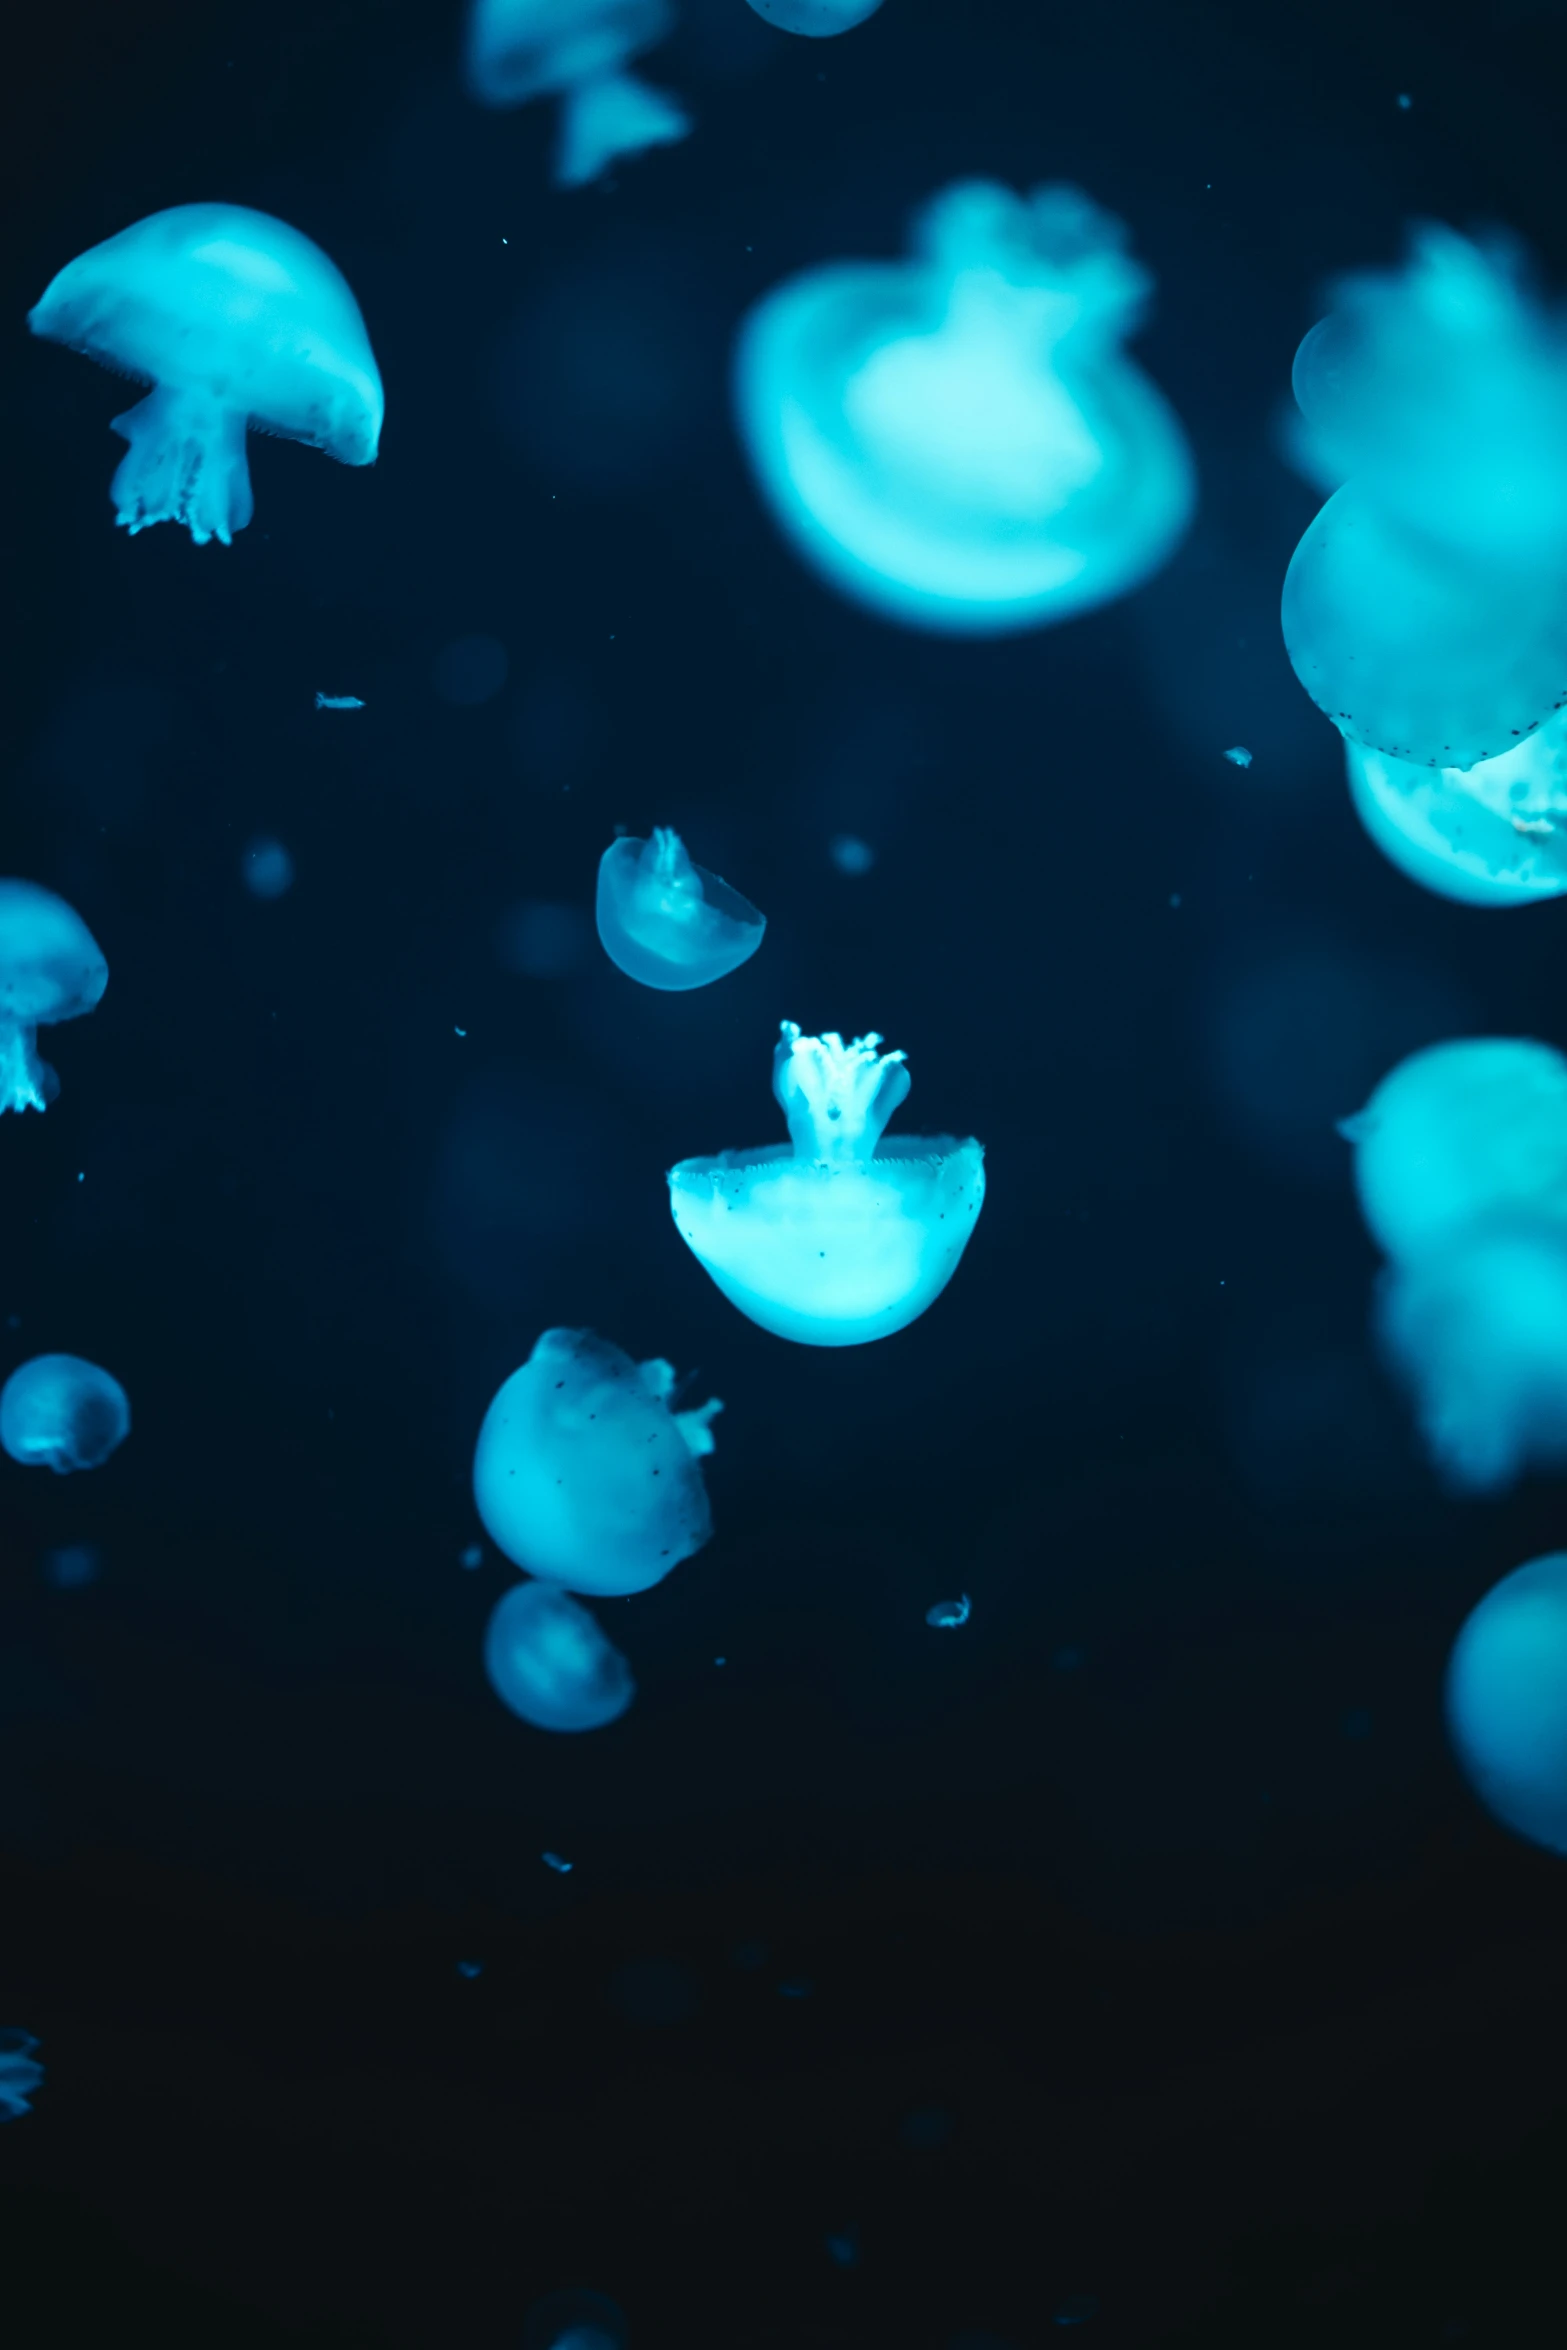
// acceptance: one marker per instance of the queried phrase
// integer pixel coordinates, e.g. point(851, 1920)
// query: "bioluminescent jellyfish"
point(267, 867)
point(58, 1412)
point(235, 319)
point(574, 2321)
point(668, 922)
point(836, 1236)
point(584, 1475)
point(850, 854)
point(548, 1660)
point(1492, 835)
point(948, 1614)
point(578, 51)
point(20, 2074)
point(959, 440)
point(1463, 1135)
point(818, 20)
point(1507, 1701)
point(51, 970)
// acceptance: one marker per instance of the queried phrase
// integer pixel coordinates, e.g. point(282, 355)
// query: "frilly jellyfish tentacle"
point(612, 114)
point(26, 1082)
point(696, 1427)
point(837, 1097)
point(186, 463)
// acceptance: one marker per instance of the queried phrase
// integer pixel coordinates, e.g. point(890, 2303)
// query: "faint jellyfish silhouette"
point(837, 1236)
point(267, 867)
point(20, 2074)
point(578, 51)
point(818, 20)
point(1469, 1132)
point(850, 855)
point(58, 1412)
point(72, 1566)
point(584, 1475)
point(51, 969)
point(574, 2321)
point(548, 1660)
point(1506, 1700)
point(948, 1614)
point(234, 318)
point(667, 922)
point(958, 440)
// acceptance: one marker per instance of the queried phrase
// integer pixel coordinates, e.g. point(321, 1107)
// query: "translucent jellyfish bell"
point(58, 1412)
point(837, 1236)
point(548, 1660)
point(584, 1475)
point(1463, 1134)
point(818, 20)
point(1507, 1701)
point(958, 440)
point(578, 51)
point(668, 922)
point(51, 969)
point(234, 318)
point(1492, 835)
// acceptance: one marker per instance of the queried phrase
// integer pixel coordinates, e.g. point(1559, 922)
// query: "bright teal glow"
point(667, 922)
point(1478, 1333)
point(958, 440)
point(548, 1660)
point(234, 318)
point(818, 20)
point(1495, 835)
point(1507, 1701)
point(51, 969)
point(837, 1236)
point(578, 51)
point(584, 1476)
point(1462, 1135)
point(20, 2074)
point(57, 1412)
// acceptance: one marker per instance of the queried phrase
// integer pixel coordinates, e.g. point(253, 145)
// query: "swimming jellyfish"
point(235, 319)
point(817, 19)
point(548, 1660)
point(584, 1475)
point(836, 1236)
point(668, 922)
point(1461, 1134)
point(20, 2074)
point(958, 440)
point(58, 1412)
point(578, 51)
point(1507, 1701)
point(51, 969)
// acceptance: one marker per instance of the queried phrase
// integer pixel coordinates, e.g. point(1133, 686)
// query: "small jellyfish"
point(574, 2321)
point(57, 1412)
point(268, 869)
point(818, 20)
point(548, 1660)
point(1477, 1332)
point(836, 1236)
point(577, 51)
point(585, 1476)
point(51, 969)
point(851, 855)
point(1472, 1132)
point(1239, 756)
point(1507, 1701)
point(668, 922)
point(948, 1614)
point(20, 2074)
point(235, 319)
point(1494, 834)
point(959, 440)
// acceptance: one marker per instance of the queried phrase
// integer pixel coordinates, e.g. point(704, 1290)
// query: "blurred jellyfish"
point(958, 440)
point(51, 969)
point(668, 922)
point(1472, 1132)
point(817, 19)
point(583, 1474)
point(574, 2321)
point(948, 1614)
point(268, 868)
point(578, 51)
point(836, 1236)
point(548, 1660)
point(850, 855)
point(20, 2074)
point(234, 318)
point(1507, 1701)
point(72, 1566)
point(1495, 835)
point(57, 1412)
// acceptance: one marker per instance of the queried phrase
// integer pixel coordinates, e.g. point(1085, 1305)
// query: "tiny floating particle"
point(338, 702)
point(1239, 756)
point(472, 1557)
point(947, 1614)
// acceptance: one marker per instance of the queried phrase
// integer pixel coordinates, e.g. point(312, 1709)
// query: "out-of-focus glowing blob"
point(234, 318)
point(818, 20)
point(20, 2074)
point(1477, 1332)
point(574, 2321)
point(51, 969)
point(267, 867)
point(668, 922)
point(548, 1661)
point(959, 440)
point(837, 1236)
point(577, 51)
point(58, 1412)
point(1495, 835)
point(1507, 1701)
point(583, 1474)
point(1464, 1134)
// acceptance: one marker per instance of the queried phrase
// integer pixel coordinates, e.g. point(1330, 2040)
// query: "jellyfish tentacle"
point(185, 463)
point(26, 1082)
point(836, 1097)
point(695, 1427)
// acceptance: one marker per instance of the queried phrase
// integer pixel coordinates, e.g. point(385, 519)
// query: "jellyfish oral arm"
point(696, 1427)
point(26, 1082)
point(837, 1097)
point(186, 463)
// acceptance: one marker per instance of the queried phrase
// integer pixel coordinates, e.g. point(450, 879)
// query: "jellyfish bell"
point(51, 970)
point(548, 1661)
point(1461, 1135)
point(1493, 836)
point(1506, 1701)
point(578, 51)
point(838, 1236)
point(235, 319)
point(667, 922)
point(818, 20)
point(59, 1412)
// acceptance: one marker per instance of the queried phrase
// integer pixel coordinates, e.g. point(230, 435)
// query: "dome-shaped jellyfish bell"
point(58, 1412)
point(959, 440)
point(1506, 1701)
point(668, 922)
point(234, 318)
point(1494, 834)
point(837, 1236)
point(584, 1475)
point(576, 50)
point(51, 969)
point(548, 1660)
point(818, 20)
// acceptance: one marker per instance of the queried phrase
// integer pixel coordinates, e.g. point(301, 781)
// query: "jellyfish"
point(836, 1236)
point(1495, 835)
point(1461, 1135)
point(818, 20)
point(959, 440)
point(1506, 1701)
point(668, 922)
point(51, 969)
point(57, 1412)
point(234, 319)
point(20, 2074)
point(585, 1476)
point(548, 1660)
point(578, 51)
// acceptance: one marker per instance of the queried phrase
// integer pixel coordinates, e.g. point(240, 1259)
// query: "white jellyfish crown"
point(1053, 253)
point(837, 1097)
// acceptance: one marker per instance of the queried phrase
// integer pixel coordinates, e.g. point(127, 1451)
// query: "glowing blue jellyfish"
point(1507, 1701)
point(51, 969)
point(583, 1474)
point(668, 922)
point(818, 20)
point(1477, 1331)
point(577, 51)
point(1465, 1134)
point(20, 2074)
point(1495, 835)
point(233, 318)
point(959, 440)
point(57, 1412)
point(836, 1236)
point(548, 1660)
